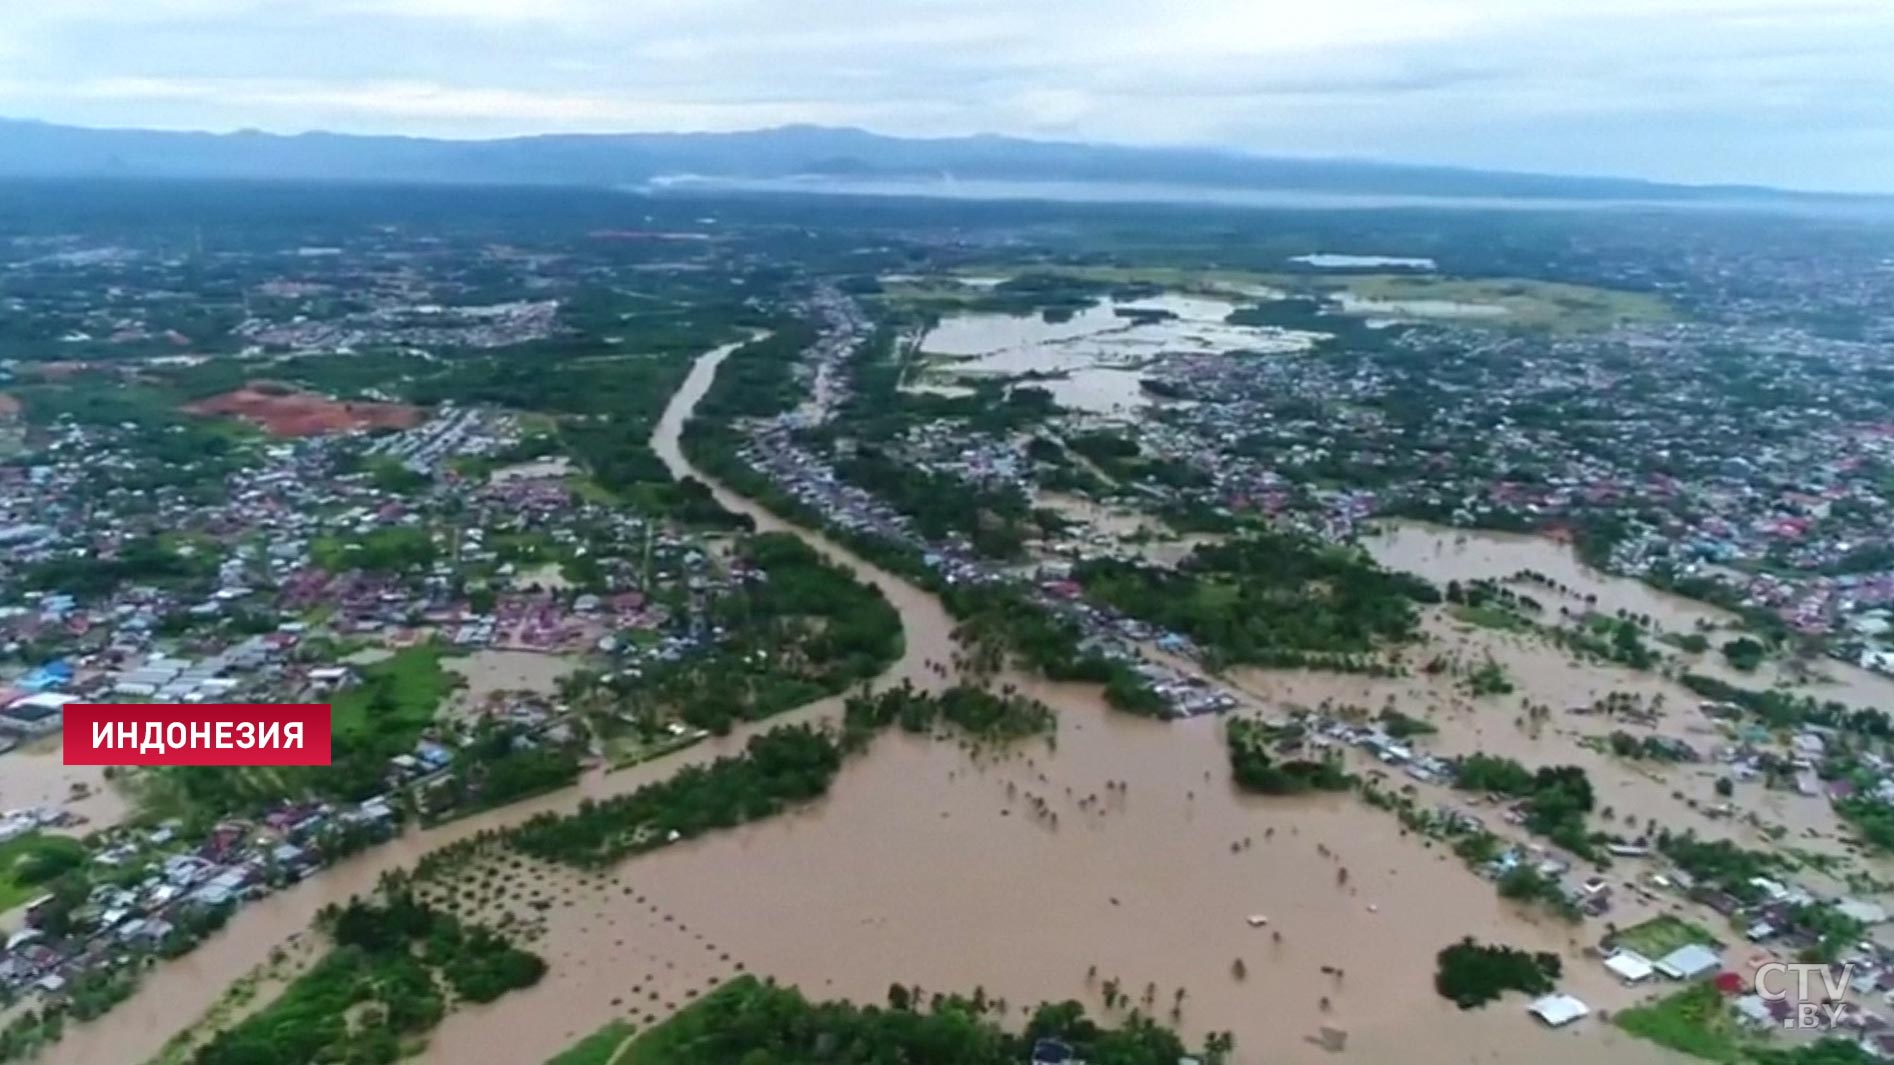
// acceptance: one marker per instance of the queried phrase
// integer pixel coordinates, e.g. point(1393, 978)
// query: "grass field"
point(400, 693)
point(599, 1048)
point(1660, 935)
point(1694, 1021)
point(1537, 304)
point(1530, 303)
point(1489, 617)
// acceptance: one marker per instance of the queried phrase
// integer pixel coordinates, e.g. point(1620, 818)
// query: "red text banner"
point(225, 734)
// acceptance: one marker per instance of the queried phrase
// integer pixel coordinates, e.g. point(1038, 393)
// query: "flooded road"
point(1121, 853)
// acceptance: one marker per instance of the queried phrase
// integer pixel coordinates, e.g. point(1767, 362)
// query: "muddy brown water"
point(927, 866)
point(35, 774)
point(1444, 554)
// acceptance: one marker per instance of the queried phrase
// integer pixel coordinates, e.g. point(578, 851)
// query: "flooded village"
point(1341, 670)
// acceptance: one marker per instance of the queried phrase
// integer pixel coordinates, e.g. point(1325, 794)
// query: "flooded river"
point(1125, 849)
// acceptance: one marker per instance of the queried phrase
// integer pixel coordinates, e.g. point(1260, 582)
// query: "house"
point(1630, 966)
point(36, 715)
point(1689, 962)
point(1558, 1010)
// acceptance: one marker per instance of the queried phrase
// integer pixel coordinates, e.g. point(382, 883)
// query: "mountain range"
point(33, 149)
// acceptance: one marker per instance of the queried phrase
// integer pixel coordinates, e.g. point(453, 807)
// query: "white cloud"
point(1694, 89)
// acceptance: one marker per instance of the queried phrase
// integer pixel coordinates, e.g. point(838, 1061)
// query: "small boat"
point(1257, 920)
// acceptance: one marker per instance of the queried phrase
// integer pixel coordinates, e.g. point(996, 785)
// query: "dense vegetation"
point(1871, 817)
point(1256, 768)
point(396, 968)
point(995, 521)
point(1557, 799)
point(986, 715)
point(776, 769)
point(1779, 709)
point(147, 561)
point(798, 628)
point(1269, 599)
point(1473, 974)
point(1720, 864)
point(756, 1023)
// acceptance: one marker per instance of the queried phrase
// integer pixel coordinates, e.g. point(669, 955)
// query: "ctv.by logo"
point(1813, 990)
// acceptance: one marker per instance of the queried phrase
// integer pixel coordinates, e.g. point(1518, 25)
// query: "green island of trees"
point(1781, 710)
point(396, 968)
point(1871, 817)
point(1721, 864)
point(776, 769)
point(1473, 974)
point(1744, 653)
point(999, 717)
point(1256, 769)
point(1557, 798)
point(752, 1022)
point(1269, 599)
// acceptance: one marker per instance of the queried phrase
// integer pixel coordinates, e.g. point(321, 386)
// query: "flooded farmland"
point(1096, 352)
point(1443, 554)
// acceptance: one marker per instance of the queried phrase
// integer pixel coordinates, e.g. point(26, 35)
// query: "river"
point(929, 866)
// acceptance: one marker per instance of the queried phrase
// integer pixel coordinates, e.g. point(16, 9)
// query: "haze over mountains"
point(37, 149)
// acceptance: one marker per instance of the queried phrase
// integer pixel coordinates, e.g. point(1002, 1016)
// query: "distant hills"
point(38, 149)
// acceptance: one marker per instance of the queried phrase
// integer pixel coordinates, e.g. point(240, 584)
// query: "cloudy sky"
point(1786, 92)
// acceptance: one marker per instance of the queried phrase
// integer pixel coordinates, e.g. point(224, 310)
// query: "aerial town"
point(1370, 607)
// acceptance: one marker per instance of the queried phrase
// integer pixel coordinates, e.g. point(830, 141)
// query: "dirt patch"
point(285, 411)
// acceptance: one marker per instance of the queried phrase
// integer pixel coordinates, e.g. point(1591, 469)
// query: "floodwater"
point(925, 867)
point(1123, 848)
point(1443, 554)
point(35, 774)
point(491, 671)
point(1020, 344)
point(1099, 390)
point(1330, 261)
